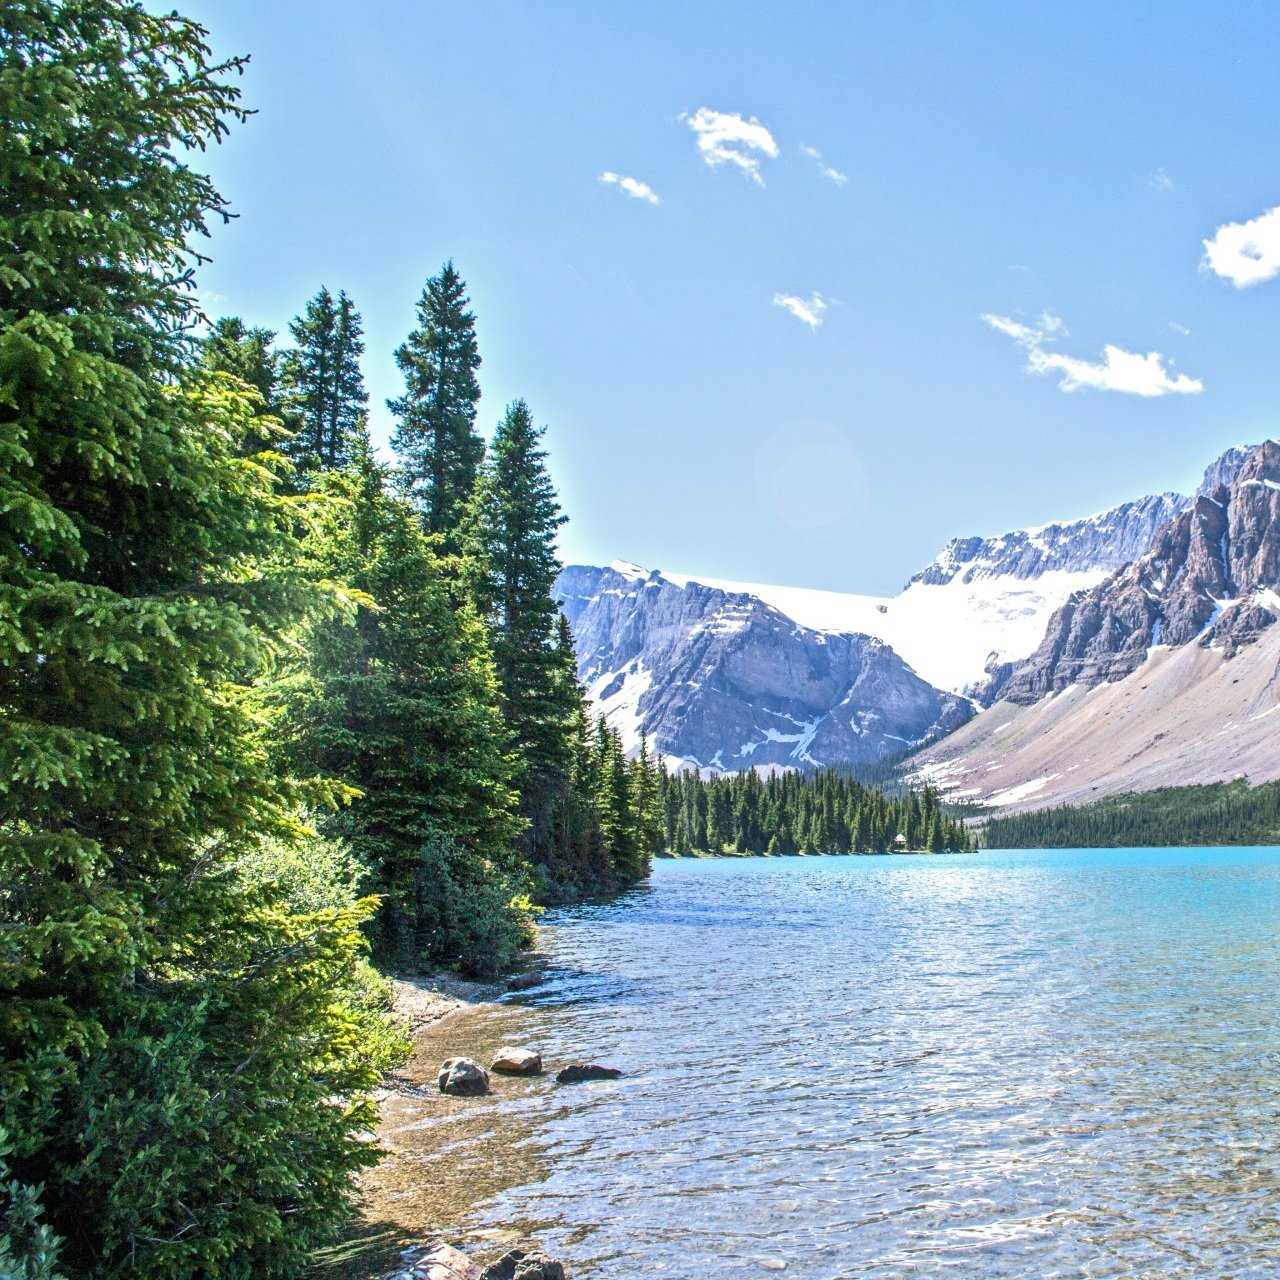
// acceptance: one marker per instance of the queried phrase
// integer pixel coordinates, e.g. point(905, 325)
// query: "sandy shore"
point(444, 1156)
point(425, 1002)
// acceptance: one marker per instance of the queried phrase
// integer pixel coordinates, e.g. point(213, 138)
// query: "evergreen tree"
point(435, 435)
point(248, 354)
point(322, 395)
point(180, 1070)
point(402, 705)
point(514, 520)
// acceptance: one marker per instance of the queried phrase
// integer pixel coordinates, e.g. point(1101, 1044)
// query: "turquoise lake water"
point(1031, 1064)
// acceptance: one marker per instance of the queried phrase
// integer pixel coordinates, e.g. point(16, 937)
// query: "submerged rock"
point(517, 1062)
point(522, 1265)
point(578, 1072)
point(463, 1078)
point(523, 981)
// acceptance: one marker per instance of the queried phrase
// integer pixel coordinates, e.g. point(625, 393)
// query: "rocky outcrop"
point(1209, 576)
point(722, 680)
point(463, 1078)
point(1107, 540)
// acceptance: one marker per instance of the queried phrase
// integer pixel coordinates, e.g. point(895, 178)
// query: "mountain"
point(1165, 673)
point(723, 680)
point(724, 674)
point(1103, 541)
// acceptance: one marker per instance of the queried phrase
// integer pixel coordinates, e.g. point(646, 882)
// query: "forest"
point(270, 708)
point(789, 812)
point(1221, 813)
point(278, 716)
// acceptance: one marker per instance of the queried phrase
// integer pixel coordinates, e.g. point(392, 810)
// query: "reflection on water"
point(1031, 1065)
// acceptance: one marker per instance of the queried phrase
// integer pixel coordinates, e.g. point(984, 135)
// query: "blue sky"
point(986, 301)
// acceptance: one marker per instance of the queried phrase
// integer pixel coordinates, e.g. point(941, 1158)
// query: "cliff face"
point(1209, 576)
point(721, 679)
point(1107, 541)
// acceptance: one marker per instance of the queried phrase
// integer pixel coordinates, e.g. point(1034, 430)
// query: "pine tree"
point(179, 1070)
point(514, 521)
point(435, 436)
point(403, 706)
point(322, 395)
point(249, 356)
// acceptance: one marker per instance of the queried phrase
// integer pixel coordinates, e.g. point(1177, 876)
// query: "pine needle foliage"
point(402, 706)
point(322, 396)
point(435, 435)
point(182, 1082)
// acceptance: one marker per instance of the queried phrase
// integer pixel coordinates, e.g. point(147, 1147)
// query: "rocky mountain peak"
point(722, 680)
point(1208, 576)
point(1103, 541)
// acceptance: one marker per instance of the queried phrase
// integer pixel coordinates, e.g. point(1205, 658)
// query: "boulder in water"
point(517, 1062)
point(579, 1072)
point(522, 1265)
point(463, 1078)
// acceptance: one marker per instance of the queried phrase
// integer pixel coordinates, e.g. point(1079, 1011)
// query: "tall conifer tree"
point(435, 435)
point(403, 706)
point(514, 523)
point(322, 394)
point(177, 1070)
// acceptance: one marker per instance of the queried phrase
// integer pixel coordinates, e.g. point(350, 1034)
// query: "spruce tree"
point(435, 435)
point(248, 354)
point(402, 705)
point(181, 1079)
point(322, 396)
point(514, 522)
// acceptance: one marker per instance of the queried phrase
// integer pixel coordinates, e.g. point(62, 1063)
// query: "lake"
point(1032, 1064)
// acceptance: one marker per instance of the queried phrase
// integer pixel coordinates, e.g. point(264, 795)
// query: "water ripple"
point(1032, 1065)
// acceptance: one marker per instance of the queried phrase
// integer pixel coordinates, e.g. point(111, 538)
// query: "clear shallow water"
point(1048, 1064)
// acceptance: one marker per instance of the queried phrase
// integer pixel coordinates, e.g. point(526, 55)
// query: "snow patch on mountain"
point(948, 633)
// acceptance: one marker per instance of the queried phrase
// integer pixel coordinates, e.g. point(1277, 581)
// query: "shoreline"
point(443, 1156)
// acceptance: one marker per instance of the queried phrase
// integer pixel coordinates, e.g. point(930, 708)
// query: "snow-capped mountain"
point(723, 680)
point(1163, 674)
point(726, 674)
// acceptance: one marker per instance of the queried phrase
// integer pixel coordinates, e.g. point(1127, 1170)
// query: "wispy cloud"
point(809, 309)
point(726, 138)
point(633, 187)
point(1160, 180)
point(1245, 252)
point(1118, 370)
point(832, 175)
point(1180, 328)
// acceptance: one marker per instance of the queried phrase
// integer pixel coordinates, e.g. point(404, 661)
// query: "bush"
point(469, 912)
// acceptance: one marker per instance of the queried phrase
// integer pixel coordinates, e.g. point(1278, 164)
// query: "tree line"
point(266, 703)
point(822, 812)
point(1220, 813)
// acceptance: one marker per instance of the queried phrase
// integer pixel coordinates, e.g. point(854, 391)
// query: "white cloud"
point(726, 138)
point(808, 309)
point(1026, 335)
point(1180, 328)
point(632, 186)
point(1160, 180)
point(1118, 370)
point(833, 175)
point(1245, 252)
